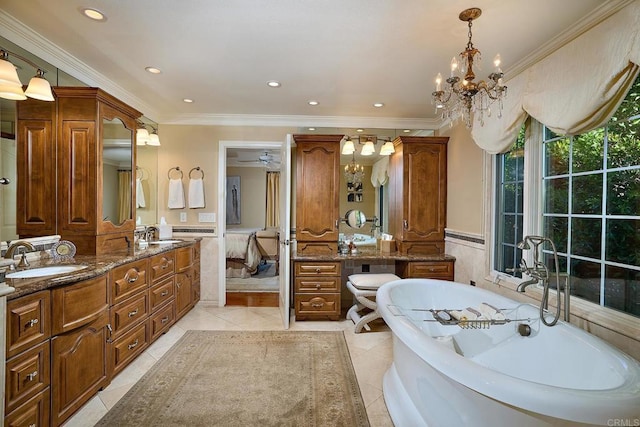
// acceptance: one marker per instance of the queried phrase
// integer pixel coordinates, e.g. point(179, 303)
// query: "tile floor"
point(371, 353)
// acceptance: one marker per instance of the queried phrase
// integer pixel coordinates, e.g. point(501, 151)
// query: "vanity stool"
point(364, 288)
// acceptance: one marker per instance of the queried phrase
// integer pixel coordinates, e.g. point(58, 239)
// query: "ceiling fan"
point(266, 159)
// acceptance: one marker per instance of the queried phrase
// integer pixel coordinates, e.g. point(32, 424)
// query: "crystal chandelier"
point(353, 172)
point(465, 97)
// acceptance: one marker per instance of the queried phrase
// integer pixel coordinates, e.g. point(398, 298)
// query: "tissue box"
point(387, 246)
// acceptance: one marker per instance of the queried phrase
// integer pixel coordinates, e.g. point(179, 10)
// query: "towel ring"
point(197, 168)
point(139, 173)
point(177, 168)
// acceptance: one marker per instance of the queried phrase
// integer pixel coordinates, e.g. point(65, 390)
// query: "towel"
point(176, 194)
point(490, 312)
point(196, 193)
point(140, 201)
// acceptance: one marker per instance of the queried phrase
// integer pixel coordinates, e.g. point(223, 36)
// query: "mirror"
point(355, 218)
point(146, 181)
point(117, 175)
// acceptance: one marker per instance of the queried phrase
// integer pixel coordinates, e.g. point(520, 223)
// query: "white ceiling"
point(345, 54)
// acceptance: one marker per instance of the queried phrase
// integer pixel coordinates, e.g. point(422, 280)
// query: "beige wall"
point(147, 160)
point(253, 196)
point(465, 183)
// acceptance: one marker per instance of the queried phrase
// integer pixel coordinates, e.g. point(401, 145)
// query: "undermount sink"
point(44, 271)
point(164, 242)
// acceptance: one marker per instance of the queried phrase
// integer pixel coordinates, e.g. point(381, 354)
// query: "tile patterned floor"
point(371, 353)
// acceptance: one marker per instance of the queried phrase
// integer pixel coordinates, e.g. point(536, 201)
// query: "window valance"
point(575, 89)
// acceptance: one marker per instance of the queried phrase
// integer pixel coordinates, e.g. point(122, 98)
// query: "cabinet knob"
point(132, 275)
point(165, 264)
point(133, 345)
point(32, 376)
point(318, 286)
point(133, 313)
point(164, 320)
point(164, 293)
point(317, 304)
point(318, 271)
point(31, 323)
point(405, 224)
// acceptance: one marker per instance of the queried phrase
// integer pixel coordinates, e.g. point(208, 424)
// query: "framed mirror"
point(117, 171)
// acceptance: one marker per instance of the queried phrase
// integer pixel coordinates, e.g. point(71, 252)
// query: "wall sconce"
point(143, 137)
point(368, 145)
point(11, 86)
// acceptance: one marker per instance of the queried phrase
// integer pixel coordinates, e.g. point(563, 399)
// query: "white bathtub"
point(444, 375)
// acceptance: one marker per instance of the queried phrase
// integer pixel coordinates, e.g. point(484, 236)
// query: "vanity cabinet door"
point(36, 169)
point(183, 293)
point(317, 193)
point(28, 321)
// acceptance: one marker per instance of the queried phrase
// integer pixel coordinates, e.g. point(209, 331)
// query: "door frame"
point(222, 206)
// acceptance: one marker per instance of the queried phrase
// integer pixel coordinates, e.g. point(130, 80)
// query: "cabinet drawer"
point(33, 413)
point(128, 279)
point(129, 312)
point(317, 284)
point(28, 321)
point(162, 265)
point(162, 320)
point(184, 258)
point(317, 269)
point(26, 375)
point(79, 304)
point(430, 270)
point(128, 346)
point(161, 293)
point(317, 305)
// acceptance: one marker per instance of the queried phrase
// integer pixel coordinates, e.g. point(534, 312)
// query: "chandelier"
point(353, 172)
point(465, 97)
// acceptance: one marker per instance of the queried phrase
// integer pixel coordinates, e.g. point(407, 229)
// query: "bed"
point(242, 253)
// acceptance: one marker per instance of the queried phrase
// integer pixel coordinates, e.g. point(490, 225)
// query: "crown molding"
point(301, 121)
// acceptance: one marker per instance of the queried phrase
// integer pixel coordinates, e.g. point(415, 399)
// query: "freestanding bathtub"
point(445, 375)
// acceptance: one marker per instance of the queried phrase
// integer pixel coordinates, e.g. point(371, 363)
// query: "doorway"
point(250, 273)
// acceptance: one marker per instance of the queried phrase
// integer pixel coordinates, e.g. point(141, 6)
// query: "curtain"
point(380, 172)
point(124, 196)
point(575, 89)
point(273, 200)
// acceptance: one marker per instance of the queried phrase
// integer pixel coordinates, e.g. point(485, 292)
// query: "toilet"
point(364, 288)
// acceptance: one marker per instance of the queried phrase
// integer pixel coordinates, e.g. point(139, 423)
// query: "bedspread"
point(243, 247)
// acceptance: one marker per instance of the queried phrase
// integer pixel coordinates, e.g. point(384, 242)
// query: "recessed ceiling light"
point(94, 14)
point(378, 105)
point(313, 103)
point(406, 130)
point(312, 128)
point(273, 83)
point(359, 130)
point(187, 100)
point(153, 70)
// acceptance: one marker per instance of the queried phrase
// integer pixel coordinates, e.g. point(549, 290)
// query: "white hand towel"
point(140, 200)
point(176, 194)
point(196, 193)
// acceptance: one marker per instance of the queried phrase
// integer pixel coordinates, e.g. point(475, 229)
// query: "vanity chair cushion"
point(364, 288)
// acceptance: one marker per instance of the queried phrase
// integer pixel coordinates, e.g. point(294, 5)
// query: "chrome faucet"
point(13, 247)
point(540, 273)
point(150, 231)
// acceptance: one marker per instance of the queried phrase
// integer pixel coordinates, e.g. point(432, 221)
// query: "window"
point(590, 207)
point(509, 206)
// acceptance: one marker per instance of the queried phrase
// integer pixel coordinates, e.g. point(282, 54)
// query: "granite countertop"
point(96, 265)
point(371, 254)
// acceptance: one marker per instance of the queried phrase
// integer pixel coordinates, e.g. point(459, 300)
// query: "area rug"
point(239, 378)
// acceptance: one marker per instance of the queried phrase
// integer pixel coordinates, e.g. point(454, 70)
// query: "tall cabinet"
point(317, 193)
point(418, 194)
point(75, 161)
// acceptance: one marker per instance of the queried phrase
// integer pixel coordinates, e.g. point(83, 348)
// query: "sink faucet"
point(150, 231)
point(13, 247)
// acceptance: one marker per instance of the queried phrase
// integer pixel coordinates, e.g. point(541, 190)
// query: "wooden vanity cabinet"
point(162, 294)
point(195, 286)
point(317, 193)
point(62, 143)
point(184, 280)
point(418, 194)
point(27, 369)
point(443, 270)
point(317, 289)
point(128, 314)
point(79, 357)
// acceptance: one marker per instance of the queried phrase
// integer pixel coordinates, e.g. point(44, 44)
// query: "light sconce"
point(11, 86)
point(143, 137)
point(463, 96)
point(368, 145)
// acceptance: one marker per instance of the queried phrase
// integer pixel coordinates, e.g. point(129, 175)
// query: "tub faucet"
point(13, 247)
point(540, 273)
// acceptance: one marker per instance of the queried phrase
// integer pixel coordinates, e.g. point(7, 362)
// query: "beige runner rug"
point(224, 378)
